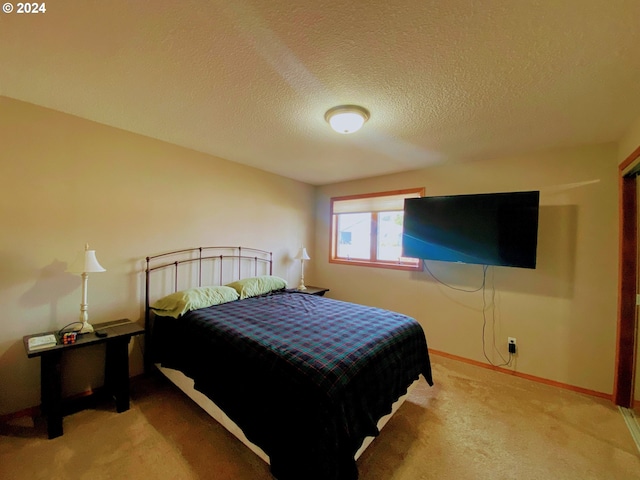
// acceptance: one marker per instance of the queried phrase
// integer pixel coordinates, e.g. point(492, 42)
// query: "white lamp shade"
point(303, 255)
point(347, 118)
point(346, 122)
point(86, 262)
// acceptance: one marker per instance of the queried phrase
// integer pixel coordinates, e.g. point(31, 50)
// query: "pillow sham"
point(253, 286)
point(184, 301)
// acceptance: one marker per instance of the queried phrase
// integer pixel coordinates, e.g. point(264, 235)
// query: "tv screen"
point(487, 229)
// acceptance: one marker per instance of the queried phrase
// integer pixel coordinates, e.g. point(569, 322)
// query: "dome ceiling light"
point(346, 118)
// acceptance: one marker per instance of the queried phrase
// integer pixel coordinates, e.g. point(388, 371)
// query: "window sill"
point(390, 265)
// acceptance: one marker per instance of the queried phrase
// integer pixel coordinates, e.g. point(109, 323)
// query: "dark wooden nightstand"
point(319, 291)
point(116, 367)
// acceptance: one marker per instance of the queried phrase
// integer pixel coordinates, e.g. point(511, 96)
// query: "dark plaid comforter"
point(305, 377)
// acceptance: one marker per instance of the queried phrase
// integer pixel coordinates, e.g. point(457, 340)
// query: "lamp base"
point(302, 287)
point(86, 328)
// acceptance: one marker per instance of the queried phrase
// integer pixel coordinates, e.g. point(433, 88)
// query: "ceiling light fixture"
point(346, 118)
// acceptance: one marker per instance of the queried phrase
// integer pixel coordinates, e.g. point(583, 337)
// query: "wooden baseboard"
point(546, 381)
point(71, 404)
point(35, 411)
point(27, 412)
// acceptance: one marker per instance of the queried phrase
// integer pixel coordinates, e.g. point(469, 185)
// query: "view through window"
point(367, 229)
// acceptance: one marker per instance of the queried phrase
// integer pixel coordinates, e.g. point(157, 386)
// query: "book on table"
point(42, 341)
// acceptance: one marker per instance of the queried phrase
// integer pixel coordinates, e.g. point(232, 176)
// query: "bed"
point(305, 381)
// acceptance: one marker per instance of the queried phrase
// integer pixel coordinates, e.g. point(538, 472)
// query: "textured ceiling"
point(250, 80)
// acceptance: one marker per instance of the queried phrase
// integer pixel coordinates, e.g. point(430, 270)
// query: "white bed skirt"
point(185, 384)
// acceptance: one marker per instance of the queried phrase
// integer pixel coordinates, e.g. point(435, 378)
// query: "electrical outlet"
point(512, 344)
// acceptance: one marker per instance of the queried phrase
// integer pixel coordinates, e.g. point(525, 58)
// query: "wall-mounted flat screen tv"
point(487, 229)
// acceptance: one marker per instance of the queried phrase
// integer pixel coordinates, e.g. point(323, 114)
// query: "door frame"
point(623, 388)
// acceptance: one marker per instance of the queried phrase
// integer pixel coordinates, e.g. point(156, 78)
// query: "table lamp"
point(302, 256)
point(85, 264)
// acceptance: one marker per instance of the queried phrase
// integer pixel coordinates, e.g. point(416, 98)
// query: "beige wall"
point(629, 142)
point(563, 313)
point(67, 181)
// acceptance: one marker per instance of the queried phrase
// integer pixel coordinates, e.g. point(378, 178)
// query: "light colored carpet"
point(475, 424)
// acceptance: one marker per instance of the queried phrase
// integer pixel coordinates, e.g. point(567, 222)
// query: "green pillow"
point(185, 301)
point(253, 286)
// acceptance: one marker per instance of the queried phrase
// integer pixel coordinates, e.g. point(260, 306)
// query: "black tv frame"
point(489, 228)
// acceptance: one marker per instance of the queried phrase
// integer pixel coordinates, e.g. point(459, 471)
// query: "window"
point(367, 229)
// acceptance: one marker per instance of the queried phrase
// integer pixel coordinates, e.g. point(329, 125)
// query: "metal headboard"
point(222, 264)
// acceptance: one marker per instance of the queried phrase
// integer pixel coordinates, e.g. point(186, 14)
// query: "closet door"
point(636, 396)
point(627, 349)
